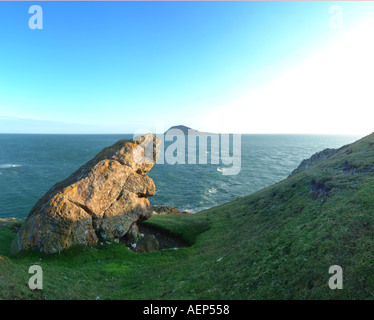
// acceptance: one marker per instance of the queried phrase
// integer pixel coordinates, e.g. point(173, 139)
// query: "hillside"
point(277, 243)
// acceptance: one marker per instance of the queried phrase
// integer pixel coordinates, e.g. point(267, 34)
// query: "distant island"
point(176, 130)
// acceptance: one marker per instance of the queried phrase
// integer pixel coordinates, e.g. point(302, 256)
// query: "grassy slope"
point(275, 244)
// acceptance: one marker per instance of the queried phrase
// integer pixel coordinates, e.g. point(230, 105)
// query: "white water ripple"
point(7, 166)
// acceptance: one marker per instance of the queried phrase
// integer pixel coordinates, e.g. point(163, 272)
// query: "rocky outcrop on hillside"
point(314, 159)
point(163, 210)
point(102, 200)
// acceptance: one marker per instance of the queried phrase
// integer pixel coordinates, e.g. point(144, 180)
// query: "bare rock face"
point(100, 201)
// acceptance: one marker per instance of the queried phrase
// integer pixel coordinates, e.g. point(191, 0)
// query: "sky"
point(241, 67)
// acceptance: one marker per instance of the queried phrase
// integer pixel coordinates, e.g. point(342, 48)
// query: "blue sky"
point(121, 66)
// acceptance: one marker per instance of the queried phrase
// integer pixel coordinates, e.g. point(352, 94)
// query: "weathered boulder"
point(100, 201)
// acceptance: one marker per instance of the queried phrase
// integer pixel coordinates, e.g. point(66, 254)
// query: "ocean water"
point(31, 164)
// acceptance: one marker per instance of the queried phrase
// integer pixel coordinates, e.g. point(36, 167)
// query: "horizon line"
point(205, 134)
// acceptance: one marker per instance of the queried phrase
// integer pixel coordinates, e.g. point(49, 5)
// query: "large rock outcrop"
point(314, 159)
point(102, 200)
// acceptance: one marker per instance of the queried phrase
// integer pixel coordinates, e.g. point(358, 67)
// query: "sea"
point(30, 164)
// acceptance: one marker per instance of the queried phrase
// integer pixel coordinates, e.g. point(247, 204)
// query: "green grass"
point(277, 243)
